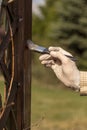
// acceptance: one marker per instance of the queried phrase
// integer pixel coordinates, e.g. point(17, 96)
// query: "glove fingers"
point(59, 56)
point(53, 48)
point(48, 63)
point(60, 50)
point(45, 57)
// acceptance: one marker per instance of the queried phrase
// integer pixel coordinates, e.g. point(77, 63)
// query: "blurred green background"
point(54, 107)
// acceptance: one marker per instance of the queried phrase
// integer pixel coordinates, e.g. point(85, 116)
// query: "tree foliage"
point(64, 22)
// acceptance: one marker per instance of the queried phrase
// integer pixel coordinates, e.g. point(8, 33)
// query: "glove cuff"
point(83, 83)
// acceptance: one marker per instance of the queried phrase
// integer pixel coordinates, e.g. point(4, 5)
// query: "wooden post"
point(16, 67)
point(22, 71)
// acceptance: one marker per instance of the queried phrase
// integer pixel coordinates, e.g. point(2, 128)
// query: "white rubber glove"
point(64, 68)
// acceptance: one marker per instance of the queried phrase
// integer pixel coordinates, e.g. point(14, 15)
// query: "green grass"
point(2, 88)
point(57, 108)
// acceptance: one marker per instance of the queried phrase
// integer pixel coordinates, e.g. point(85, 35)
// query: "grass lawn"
point(2, 87)
point(56, 108)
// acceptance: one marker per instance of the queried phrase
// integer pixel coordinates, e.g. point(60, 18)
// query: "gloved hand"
point(64, 68)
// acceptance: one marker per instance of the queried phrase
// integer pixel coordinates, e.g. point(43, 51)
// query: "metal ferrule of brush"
point(42, 50)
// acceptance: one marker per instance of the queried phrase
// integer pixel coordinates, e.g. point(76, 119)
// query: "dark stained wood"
point(23, 64)
point(19, 116)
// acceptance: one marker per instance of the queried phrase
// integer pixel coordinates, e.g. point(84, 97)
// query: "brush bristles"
point(31, 45)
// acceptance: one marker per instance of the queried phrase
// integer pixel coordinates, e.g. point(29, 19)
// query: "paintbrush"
point(40, 49)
